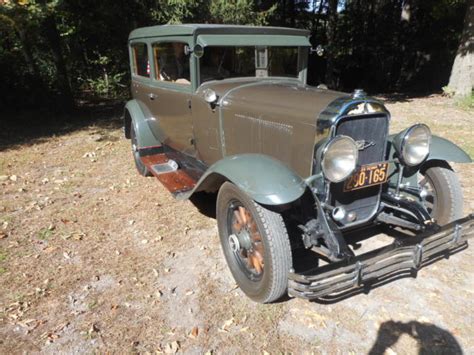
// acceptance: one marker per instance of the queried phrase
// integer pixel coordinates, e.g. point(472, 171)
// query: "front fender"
point(440, 149)
point(137, 115)
point(266, 180)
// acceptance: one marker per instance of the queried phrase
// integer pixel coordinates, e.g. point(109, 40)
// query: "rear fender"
point(266, 180)
point(138, 115)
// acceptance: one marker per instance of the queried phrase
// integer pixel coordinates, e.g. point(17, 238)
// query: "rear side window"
point(141, 64)
point(171, 63)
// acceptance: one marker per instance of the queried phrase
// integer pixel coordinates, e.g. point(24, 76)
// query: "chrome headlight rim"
point(331, 143)
point(404, 144)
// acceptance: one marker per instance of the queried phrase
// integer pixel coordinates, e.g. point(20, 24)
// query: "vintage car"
point(226, 110)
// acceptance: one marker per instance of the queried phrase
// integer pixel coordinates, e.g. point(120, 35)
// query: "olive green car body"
point(263, 133)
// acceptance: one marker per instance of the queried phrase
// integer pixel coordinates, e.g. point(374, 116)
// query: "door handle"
point(152, 96)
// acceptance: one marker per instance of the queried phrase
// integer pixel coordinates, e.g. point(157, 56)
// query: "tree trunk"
point(63, 83)
point(331, 32)
point(462, 73)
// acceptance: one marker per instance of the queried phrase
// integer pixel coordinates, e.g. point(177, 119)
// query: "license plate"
point(367, 175)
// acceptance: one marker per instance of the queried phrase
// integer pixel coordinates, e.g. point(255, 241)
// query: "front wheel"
point(441, 193)
point(255, 243)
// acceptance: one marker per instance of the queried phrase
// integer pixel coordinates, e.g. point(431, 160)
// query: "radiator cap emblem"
point(358, 94)
point(363, 144)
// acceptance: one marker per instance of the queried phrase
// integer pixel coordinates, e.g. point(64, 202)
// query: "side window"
point(141, 65)
point(171, 64)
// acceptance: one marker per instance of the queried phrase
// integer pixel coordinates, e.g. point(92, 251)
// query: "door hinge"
point(189, 104)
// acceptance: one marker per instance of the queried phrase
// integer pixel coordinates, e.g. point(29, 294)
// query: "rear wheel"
point(441, 193)
point(141, 168)
point(255, 243)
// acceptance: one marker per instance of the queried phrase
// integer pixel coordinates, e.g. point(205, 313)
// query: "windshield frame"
point(302, 65)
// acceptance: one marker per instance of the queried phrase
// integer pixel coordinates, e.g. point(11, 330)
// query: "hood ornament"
point(363, 144)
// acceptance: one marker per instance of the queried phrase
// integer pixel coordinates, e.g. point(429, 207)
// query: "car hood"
point(270, 117)
point(301, 104)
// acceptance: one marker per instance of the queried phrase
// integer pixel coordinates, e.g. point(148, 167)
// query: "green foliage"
point(3, 256)
point(46, 233)
point(466, 102)
point(240, 12)
point(52, 50)
point(107, 86)
point(447, 91)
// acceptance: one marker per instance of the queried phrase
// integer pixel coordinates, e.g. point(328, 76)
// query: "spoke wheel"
point(428, 194)
point(255, 243)
point(441, 192)
point(245, 240)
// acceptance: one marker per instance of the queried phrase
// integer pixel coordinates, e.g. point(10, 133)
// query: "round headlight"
point(415, 145)
point(339, 158)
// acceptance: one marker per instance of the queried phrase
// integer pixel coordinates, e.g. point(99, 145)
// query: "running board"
point(167, 171)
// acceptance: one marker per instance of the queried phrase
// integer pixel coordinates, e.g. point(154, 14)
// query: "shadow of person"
point(430, 338)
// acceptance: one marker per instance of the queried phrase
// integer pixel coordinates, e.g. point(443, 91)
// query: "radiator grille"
point(374, 129)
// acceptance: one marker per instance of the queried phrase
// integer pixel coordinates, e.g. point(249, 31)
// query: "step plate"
point(176, 181)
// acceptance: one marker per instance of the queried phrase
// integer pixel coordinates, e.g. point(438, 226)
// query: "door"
point(169, 97)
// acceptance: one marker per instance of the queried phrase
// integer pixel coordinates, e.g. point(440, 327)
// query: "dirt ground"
point(94, 258)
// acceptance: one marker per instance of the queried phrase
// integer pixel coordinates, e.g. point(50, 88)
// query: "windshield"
point(231, 62)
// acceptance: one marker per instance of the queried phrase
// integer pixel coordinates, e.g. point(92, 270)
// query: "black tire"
point(141, 168)
point(271, 282)
point(442, 188)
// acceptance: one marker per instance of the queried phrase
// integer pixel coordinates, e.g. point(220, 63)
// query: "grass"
point(466, 102)
point(3, 256)
point(46, 233)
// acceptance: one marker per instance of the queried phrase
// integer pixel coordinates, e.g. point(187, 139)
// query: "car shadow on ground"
point(37, 126)
point(431, 339)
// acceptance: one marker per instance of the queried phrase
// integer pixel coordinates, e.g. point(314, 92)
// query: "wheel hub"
point(245, 240)
point(234, 243)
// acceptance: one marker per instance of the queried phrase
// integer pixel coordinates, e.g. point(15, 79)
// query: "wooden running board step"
point(168, 173)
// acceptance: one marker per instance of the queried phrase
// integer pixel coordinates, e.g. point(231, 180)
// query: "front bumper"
point(409, 254)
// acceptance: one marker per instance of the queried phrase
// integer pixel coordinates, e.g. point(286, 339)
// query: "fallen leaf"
point(226, 324)
point(50, 249)
point(172, 348)
point(194, 332)
point(93, 329)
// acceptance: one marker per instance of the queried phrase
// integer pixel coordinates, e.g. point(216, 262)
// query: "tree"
point(462, 73)
point(332, 47)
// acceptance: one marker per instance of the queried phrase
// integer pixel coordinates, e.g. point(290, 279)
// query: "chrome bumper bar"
point(408, 254)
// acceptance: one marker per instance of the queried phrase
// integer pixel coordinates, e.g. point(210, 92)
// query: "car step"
point(168, 173)
point(164, 168)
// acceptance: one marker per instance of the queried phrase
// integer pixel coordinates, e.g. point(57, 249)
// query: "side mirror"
point(198, 50)
point(319, 50)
